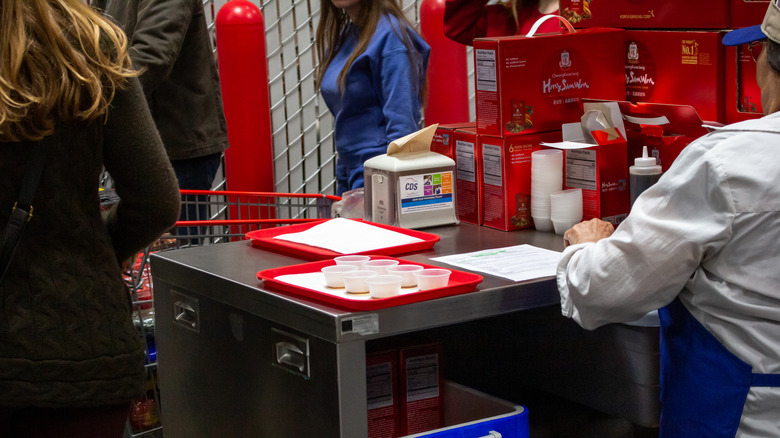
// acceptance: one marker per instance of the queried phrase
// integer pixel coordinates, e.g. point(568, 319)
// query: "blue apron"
point(703, 385)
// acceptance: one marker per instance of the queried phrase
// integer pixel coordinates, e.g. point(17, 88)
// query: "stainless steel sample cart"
point(237, 360)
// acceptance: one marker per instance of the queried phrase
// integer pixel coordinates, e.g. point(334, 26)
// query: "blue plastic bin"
point(469, 413)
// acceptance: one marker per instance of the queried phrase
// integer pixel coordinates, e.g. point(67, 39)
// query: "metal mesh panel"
point(302, 126)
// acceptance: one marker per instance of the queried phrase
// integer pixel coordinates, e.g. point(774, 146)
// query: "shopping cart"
point(208, 217)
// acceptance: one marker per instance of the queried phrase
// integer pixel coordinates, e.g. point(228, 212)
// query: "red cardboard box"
point(468, 186)
point(421, 388)
point(382, 393)
point(743, 97)
point(595, 157)
point(746, 13)
point(664, 129)
point(506, 178)
point(647, 14)
point(676, 67)
point(533, 84)
point(443, 140)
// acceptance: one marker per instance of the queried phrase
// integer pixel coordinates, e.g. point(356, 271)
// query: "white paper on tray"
point(517, 263)
point(347, 236)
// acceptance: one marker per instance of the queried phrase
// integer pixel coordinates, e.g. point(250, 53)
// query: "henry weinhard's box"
point(468, 180)
point(677, 67)
point(506, 178)
point(534, 84)
point(647, 14)
point(382, 397)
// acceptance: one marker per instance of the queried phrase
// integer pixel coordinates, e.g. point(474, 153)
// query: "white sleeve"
point(672, 227)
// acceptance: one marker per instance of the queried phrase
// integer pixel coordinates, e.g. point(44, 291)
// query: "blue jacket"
point(380, 102)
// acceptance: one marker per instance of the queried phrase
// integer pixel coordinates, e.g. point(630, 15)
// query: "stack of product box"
point(674, 53)
point(623, 50)
point(526, 87)
point(404, 390)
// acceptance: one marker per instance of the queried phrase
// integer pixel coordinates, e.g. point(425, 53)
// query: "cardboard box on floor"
point(595, 157)
point(533, 84)
point(421, 388)
point(382, 394)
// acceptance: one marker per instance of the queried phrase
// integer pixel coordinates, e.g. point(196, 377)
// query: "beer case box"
point(647, 14)
point(744, 13)
point(677, 67)
point(534, 84)
point(468, 179)
point(382, 394)
point(506, 178)
point(595, 157)
point(421, 402)
point(443, 140)
point(743, 96)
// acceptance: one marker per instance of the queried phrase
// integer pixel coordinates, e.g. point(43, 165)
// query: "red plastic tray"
point(460, 282)
point(265, 239)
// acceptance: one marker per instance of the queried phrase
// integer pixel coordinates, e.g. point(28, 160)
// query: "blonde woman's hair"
point(60, 60)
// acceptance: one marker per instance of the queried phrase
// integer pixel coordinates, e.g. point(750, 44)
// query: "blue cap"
point(770, 28)
point(744, 35)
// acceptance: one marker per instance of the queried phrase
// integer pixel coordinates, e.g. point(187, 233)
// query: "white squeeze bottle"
point(643, 174)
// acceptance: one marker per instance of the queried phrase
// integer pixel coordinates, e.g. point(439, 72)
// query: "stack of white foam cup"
point(546, 178)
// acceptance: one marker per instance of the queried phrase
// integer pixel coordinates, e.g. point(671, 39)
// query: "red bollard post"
point(448, 91)
point(243, 71)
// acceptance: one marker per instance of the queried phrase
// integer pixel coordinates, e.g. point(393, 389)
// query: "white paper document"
point(347, 236)
point(517, 263)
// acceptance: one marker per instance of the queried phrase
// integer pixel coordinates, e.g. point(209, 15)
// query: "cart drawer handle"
point(186, 311)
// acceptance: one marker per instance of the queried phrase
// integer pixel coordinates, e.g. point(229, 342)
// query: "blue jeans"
point(196, 174)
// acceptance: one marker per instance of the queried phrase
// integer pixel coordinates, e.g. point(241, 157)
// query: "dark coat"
point(66, 333)
point(170, 40)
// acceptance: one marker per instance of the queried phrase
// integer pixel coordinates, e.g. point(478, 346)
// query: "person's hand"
point(590, 231)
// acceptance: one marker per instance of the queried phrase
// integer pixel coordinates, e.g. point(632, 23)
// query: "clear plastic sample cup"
point(384, 286)
point(334, 274)
point(356, 260)
point(355, 281)
point(433, 278)
point(379, 265)
point(406, 272)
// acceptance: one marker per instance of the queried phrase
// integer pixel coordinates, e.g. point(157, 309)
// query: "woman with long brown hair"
point(372, 77)
point(70, 358)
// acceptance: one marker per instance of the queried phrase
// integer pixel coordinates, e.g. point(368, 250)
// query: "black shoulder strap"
point(22, 210)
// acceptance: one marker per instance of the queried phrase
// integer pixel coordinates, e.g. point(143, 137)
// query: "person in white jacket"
point(701, 245)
